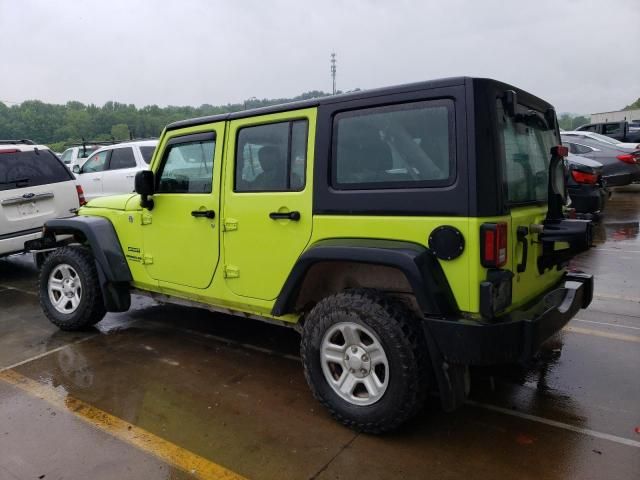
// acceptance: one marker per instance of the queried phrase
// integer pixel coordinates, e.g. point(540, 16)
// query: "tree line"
point(61, 125)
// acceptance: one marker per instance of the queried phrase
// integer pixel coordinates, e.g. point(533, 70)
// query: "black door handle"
point(522, 233)
point(295, 216)
point(204, 213)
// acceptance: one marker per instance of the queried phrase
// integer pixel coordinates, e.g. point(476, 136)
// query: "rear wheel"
point(70, 292)
point(365, 359)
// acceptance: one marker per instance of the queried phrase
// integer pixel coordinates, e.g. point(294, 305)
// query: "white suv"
point(73, 156)
point(35, 186)
point(112, 169)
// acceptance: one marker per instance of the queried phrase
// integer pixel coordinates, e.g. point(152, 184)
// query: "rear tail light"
point(583, 177)
point(9, 150)
point(626, 158)
point(81, 198)
point(493, 244)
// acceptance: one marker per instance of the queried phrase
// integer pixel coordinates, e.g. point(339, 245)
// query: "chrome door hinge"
point(230, 224)
point(146, 218)
point(231, 271)
point(147, 259)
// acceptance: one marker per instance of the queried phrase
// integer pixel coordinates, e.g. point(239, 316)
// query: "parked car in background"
point(73, 156)
point(604, 139)
point(618, 130)
point(35, 187)
point(619, 166)
point(111, 170)
point(585, 185)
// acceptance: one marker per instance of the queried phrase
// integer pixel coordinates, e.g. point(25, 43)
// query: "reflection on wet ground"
point(232, 391)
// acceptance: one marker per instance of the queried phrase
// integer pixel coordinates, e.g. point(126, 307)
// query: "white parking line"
point(612, 296)
point(601, 333)
point(607, 324)
point(48, 352)
point(615, 250)
point(553, 423)
point(8, 287)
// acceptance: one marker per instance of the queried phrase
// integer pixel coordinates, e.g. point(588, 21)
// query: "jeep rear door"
point(268, 200)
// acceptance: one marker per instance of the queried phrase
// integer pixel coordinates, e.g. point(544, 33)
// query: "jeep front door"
point(267, 207)
point(181, 240)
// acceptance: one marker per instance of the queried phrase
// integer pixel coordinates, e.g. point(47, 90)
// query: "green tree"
point(633, 106)
point(61, 125)
point(120, 131)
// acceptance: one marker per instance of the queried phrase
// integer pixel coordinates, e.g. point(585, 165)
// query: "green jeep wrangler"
point(407, 232)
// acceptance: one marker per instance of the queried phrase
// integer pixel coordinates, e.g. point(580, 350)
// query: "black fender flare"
point(418, 263)
point(101, 236)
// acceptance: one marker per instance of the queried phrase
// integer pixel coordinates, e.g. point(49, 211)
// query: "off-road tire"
point(400, 334)
point(91, 307)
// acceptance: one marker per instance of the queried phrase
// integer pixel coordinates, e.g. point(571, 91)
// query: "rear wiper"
point(16, 181)
point(531, 118)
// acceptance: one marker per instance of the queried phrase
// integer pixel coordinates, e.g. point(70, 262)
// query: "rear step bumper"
point(517, 336)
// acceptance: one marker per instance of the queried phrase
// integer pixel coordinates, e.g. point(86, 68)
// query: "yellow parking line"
point(166, 451)
point(600, 333)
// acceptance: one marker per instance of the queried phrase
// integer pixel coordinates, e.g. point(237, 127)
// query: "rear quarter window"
point(32, 168)
point(147, 154)
point(399, 146)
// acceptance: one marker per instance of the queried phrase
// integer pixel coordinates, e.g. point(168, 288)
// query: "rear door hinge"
point(147, 259)
point(231, 271)
point(146, 218)
point(230, 224)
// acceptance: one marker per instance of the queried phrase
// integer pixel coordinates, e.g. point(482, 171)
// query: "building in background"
point(619, 116)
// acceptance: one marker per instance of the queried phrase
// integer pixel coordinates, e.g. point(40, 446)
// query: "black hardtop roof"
point(314, 102)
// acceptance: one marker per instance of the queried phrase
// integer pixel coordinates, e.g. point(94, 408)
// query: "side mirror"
point(75, 169)
point(144, 185)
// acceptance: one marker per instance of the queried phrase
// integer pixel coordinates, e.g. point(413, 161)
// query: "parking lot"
point(175, 392)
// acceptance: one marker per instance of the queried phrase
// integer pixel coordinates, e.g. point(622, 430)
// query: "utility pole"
point(333, 71)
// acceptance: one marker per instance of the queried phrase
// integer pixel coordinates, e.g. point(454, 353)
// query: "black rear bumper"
point(515, 337)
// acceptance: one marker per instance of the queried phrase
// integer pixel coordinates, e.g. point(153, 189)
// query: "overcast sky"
point(581, 55)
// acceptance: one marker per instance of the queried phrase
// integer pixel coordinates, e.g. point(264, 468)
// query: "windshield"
point(526, 146)
point(88, 150)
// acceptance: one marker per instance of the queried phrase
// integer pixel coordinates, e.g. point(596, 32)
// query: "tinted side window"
point(96, 163)
point(122, 158)
point(188, 165)
point(27, 169)
point(399, 146)
point(271, 158)
point(147, 153)
point(612, 128)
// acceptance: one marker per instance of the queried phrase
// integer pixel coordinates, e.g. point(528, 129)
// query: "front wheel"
point(69, 289)
point(365, 360)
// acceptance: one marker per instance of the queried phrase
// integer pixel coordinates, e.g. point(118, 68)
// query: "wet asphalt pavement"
point(167, 392)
